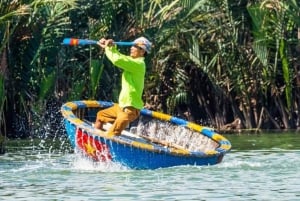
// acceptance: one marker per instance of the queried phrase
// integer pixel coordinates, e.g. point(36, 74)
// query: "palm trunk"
point(3, 73)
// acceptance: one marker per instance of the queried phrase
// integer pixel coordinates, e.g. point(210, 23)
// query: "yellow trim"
point(143, 145)
point(92, 103)
point(195, 127)
point(180, 151)
point(71, 105)
point(77, 121)
point(67, 113)
point(211, 152)
point(161, 116)
point(225, 146)
point(218, 137)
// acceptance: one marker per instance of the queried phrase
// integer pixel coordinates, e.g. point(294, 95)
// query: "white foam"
point(82, 163)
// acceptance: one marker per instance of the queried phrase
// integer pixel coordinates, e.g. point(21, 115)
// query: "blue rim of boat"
point(68, 114)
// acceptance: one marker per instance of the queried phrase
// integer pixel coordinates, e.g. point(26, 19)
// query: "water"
point(255, 169)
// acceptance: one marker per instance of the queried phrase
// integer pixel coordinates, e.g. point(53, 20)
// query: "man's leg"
point(106, 115)
point(124, 117)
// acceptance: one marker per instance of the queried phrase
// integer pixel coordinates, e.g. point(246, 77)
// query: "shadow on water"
point(289, 140)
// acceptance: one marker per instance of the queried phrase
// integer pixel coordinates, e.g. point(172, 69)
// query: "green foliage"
point(46, 85)
point(77, 89)
point(11, 12)
point(274, 23)
point(226, 58)
point(96, 69)
point(286, 73)
point(216, 37)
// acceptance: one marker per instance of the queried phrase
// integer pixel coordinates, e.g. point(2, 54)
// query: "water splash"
point(84, 164)
point(181, 136)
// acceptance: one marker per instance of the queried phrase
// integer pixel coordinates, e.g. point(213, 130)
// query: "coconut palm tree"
point(9, 20)
point(275, 39)
point(29, 32)
point(217, 38)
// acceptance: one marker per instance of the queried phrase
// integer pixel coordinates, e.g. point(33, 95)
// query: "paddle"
point(77, 41)
point(162, 142)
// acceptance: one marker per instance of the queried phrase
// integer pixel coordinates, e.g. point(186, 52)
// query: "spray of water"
point(83, 163)
point(175, 134)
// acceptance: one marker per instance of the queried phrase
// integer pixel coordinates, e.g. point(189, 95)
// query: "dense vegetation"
point(213, 61)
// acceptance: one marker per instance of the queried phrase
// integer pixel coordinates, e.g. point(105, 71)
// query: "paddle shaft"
point(162, 142)
point(76, 42)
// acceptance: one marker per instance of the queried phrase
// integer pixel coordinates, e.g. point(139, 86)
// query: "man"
point(133, 75)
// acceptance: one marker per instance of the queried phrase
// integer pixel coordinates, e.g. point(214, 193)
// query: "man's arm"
point(120, 60)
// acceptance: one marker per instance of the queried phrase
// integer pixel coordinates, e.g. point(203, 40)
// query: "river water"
point(259, 167)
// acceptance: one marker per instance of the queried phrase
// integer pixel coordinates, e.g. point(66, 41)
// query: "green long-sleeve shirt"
point(133, 76)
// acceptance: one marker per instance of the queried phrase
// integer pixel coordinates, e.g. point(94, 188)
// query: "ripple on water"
point(243, 175)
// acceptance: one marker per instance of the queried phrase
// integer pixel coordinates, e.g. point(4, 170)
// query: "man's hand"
point(105, 42)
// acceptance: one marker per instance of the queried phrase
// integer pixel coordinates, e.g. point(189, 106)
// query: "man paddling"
point(133, 75)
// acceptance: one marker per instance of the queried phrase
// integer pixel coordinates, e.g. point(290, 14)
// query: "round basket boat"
point(156, 140)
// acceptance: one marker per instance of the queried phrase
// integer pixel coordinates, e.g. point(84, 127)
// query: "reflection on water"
point(286, 140)
point(259, 167)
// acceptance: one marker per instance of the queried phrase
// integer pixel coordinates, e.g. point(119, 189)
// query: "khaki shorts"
point(119, 117)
